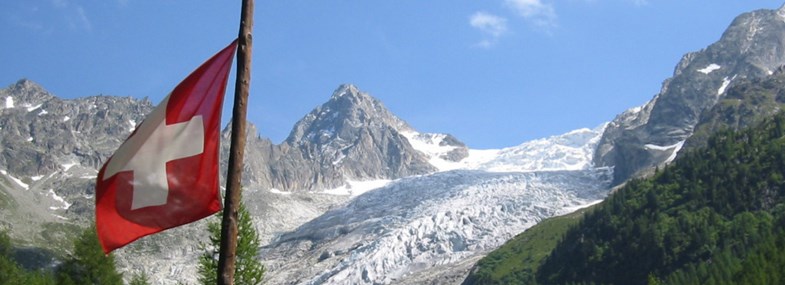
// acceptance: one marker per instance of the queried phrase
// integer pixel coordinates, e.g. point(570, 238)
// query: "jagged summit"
point(351, 136)
point(24, 93)
point(27, 86)
point(350, 96)
point(348, 89)
point(347, 111)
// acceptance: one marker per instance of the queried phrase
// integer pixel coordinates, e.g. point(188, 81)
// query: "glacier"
point(427, 229)
point(402, 232)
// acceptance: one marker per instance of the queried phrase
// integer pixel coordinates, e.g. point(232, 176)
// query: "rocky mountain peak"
point(24, 93)
point(347, 111)
point(360, 105)
point(352, 136)
point(349, 90)
point(745, 36)
point(26, 86)
point(635, 142)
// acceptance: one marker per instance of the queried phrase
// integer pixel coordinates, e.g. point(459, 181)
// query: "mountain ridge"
point(350, 155)
point(52, 192)
point(747, 49)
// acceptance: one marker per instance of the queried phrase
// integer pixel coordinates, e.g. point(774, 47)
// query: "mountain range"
point(356, 195)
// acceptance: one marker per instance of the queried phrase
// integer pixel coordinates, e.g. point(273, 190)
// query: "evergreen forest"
point(714, 216)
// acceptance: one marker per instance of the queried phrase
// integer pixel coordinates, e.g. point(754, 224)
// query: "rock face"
point(745, 104)
point(42, 133)
point(644, 137)
point(447, 205)
point(351, 137)
point(49, 152)
point(51, 148)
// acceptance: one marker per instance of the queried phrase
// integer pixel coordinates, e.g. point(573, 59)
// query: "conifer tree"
point(88, 264)
point(248, 269)
point(140, 279)
point(9, 270)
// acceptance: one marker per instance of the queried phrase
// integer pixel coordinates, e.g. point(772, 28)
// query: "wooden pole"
point(227, 254)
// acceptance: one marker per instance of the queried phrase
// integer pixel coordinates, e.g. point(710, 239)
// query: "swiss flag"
point(166, 173)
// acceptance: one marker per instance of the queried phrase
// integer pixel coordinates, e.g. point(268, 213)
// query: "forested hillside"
point(86, 264)
point(715, 216)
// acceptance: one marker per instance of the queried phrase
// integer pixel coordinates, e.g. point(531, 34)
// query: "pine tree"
point(9, 270)
point(248, 269)
point(88, 264)
point(140, 279)
point(13, 274)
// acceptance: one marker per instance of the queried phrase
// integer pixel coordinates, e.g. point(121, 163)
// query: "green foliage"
point(248, 269)
point(745, 104)
point(9, 270)
point(12, 274)
point(517, 260)
point(59, 236)
point(5, 244)
point(714, 217)
point(88, 264)
point(139, 279)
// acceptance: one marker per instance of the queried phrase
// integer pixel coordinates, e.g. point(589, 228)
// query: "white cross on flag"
point(166, 173)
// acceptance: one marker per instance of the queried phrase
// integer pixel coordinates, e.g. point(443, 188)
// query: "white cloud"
point(488, 23)
point(541, 15)
point(491, 25)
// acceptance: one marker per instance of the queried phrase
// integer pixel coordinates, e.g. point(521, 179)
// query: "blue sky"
point(493, 73)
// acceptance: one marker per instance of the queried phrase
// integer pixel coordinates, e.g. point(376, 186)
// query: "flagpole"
point(227, 256)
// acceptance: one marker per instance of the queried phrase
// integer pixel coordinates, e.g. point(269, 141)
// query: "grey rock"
point(746, 104)
point(350, 137)
point(51, 149)
point(751, 47)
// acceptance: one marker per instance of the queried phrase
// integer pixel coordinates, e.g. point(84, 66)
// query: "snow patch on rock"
point(65, 204)
point(16, 180)
point(674, 149)
point(433, 146)
point(32, 108)
point(708, 69)
point(725, 82)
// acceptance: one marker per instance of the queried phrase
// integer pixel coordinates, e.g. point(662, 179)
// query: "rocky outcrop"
point(50, 150)
point(350, 137)
point(42, 133)
point(745, 104)
point(642, 138)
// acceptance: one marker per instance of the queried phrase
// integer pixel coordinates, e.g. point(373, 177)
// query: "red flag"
point(166, 173)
